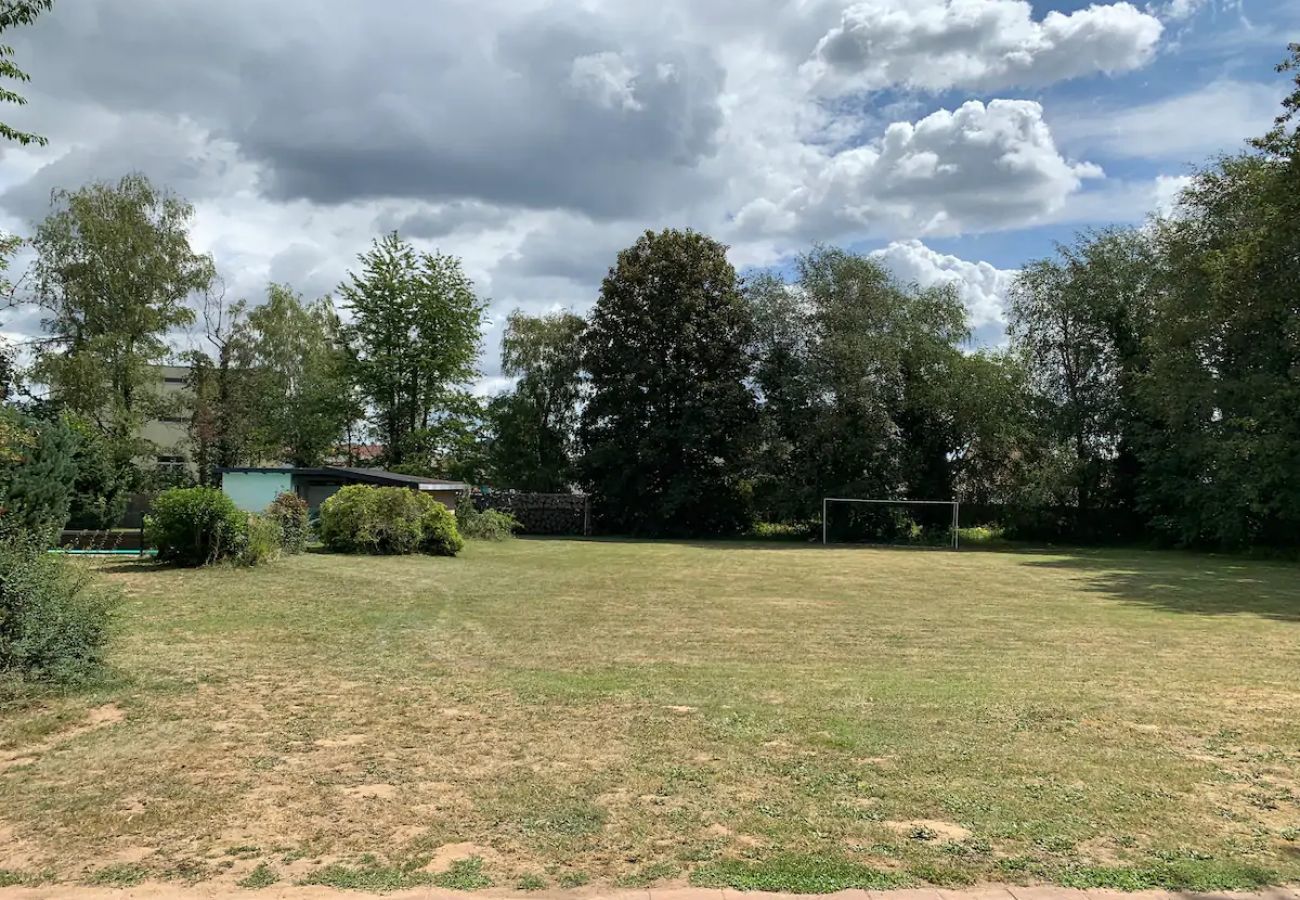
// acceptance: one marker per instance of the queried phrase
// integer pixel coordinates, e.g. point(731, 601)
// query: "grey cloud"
point(432, 102)
point(576, 250)
point(307, 269)
point(435, 221)
point(174, 153)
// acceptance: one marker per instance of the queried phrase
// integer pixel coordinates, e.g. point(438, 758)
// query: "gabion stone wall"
point(541, 513)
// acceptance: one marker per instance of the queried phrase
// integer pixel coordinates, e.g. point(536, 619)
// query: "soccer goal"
point(918, 522)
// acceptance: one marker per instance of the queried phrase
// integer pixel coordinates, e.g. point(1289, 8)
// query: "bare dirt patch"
point(14, 852)
point(449, 854)
point(929, 829)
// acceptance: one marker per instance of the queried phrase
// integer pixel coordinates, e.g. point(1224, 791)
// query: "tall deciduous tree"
point(998, 456)
point(114, 269)
point(1081, 321)
point(858, 376)
point(14, 13)
point(535, 425)
point(414, 337)
point(300, 365)
point(1223, 459)
point(223, 397)
point(668, 428)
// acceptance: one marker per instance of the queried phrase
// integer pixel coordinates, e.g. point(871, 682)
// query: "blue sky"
point(535, 138)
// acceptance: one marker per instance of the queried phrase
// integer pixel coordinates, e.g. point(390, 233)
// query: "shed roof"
point(362, 476)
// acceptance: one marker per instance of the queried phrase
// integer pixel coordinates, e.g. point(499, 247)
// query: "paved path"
point(988, 892)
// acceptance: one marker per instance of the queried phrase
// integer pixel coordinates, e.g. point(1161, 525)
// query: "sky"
point(956, 139)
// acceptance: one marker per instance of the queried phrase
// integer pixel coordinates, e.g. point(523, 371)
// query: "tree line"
point(1150, 384)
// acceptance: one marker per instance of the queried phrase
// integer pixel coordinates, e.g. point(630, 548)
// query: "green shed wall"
point(254, 491)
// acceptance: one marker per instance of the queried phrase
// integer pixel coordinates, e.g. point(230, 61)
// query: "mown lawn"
point(558, 713)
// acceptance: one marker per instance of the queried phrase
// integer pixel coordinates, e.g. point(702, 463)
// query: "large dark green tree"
point(102, 485)
point(414, 336)
point(534, 426)
point(668, 427)
point(37, 471)
point(1223, 455)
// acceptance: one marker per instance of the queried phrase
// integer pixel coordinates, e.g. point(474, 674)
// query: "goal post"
point(954, 505)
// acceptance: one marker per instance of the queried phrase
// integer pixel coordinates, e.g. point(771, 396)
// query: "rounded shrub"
point(348, 520)
point(55, 619)
point(290, 511)
point(196, 526)
point(360, 518)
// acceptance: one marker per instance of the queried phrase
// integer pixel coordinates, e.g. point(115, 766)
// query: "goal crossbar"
point(956, 505)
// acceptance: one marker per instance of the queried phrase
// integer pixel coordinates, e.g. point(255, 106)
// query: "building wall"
point(446, 498)
point(254, 491)
point(169, 435)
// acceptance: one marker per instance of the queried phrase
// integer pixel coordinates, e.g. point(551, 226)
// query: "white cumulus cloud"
point(981, 286)
point(983, 44)
point(979, 166)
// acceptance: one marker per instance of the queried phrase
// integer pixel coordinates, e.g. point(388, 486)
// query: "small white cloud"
point(981, 286)
point(1179, 11)
point(982, 44)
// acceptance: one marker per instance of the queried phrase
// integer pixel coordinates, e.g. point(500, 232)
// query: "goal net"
point(920, 523)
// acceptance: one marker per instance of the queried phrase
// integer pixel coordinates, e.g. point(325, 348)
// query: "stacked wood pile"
point(540, 513)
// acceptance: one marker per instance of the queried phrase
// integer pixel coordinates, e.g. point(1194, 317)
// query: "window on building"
point(171, 464)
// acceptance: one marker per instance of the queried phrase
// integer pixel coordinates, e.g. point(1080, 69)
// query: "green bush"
point(346, 521)
point(441, 536)
point(486, 524)
point(55, 619)
point(785, 531)
point(196, 527)
point(37, 471)
point(264, 541)
point(360, 518)
point(290, 511)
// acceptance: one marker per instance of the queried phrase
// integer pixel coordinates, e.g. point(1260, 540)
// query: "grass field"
point(557, 713)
